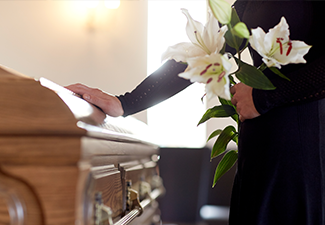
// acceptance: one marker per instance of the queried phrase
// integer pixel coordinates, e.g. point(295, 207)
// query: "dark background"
point(188, 177)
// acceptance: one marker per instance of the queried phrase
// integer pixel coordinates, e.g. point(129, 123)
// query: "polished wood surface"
point(29, 108)
point(19, 203)
point(58, 152)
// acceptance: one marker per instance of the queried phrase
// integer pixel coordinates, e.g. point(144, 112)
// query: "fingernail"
point(86, 96)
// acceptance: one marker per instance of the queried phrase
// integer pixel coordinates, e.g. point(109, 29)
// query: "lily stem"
point(262, 67)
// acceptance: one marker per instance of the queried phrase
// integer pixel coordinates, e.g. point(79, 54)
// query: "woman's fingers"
point(110, 104)
point(233, 92)
point(243, 100)
point(233, 89)
point(86, 92)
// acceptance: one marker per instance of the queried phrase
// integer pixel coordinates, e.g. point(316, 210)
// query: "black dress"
point(281, 166)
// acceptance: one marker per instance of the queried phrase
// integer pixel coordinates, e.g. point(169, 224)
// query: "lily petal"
point(276, 48)
point(297, 52)
point(205, 40)
point(212, 70)
point(213, 36)
point(279, 31)
point(182, 51)
point(257, 40)
point(194, 29)
point(221, 89)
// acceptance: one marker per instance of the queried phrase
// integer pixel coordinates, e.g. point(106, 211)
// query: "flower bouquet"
point(209, 63)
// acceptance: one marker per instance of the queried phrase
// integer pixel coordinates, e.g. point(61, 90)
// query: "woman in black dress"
point(281, 165)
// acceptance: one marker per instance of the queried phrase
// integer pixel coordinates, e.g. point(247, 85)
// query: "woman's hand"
point(243, 100)
point(110, 104)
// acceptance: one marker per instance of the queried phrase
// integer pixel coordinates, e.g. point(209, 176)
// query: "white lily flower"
point(204, 40)
point(276, 48)
point(212, 70)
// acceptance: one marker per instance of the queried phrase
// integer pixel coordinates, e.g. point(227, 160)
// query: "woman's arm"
point(306, 84)
point(157, 87)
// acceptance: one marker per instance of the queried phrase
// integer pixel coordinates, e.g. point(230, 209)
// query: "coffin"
point(63, 161)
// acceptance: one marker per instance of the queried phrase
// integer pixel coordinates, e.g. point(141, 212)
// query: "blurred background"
point(113, 45)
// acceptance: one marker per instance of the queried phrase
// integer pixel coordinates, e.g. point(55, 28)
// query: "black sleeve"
point(159, 86)
point(306, 84)
point(240, 7)
point(307, 80)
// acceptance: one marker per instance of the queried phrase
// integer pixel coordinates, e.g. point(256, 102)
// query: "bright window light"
point(91, 4)
point(112, 4)
point(175, 120)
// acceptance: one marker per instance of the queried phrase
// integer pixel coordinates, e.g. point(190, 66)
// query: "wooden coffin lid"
point(28, 108)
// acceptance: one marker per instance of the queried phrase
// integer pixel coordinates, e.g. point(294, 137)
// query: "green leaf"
point(226, 163)
point(278, 72)
point(225, 102)
point(235, 116)
point(235, 139)
point(214, 133)
point(219, 147)
point(218, 111)
point(234, 17)
point(232, 80)
point(231, 39)
point(252, 77)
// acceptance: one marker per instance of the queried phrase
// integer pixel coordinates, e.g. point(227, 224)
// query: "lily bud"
point(241, 30)
point(221, 10)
